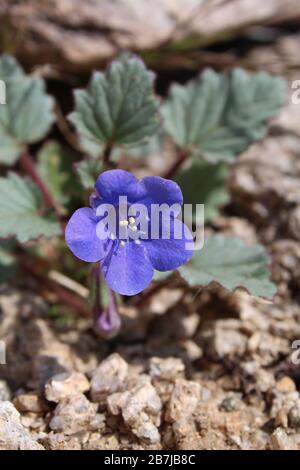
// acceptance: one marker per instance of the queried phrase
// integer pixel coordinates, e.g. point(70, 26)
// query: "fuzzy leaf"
point(218, 116)
point(204, 183)
point(161, 275)
point(118, 106)
point(20, 204)
point(148, 148)
point(231, 263)
point(253, 99)
point(55, 166)
point(28, 113)
point(88, 171)
point(9, 67)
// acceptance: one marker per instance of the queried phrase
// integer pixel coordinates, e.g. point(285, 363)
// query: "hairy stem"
point(95, 274)
point(182, 156)
point(74, 301)
point(28, 165)
point(65, 129)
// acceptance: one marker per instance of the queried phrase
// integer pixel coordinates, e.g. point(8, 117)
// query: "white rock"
point(74, 414)
point(109, 377)
point(66, 384)
point(13, 436)
point(183, 401)
point(279, 440)
point(141, 410)
point(166, 368)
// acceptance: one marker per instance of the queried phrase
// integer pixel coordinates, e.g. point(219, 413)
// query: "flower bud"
point(107, 319)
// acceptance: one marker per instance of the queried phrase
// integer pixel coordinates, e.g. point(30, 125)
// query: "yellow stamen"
point(131, 220)
point(122, 243)
point(123, 223)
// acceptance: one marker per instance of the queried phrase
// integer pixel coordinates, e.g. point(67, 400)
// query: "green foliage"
point(87, 171)
point(9, 67)
point(253, 99)
point(231, 263)
point(20, 208)
point(117, 107)
point(28, 113)
point(217, 116)
point(161, 275)
point(55, 166)
point(148, 148)
point(205, 183)
point(61, 317)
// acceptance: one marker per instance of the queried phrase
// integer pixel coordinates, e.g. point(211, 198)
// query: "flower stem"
point(107, 154)
point(28, 165)
point(65, 129)
point(97, 305)
point(182, 156)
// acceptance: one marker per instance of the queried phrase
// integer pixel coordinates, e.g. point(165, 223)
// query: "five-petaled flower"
point(128, 263)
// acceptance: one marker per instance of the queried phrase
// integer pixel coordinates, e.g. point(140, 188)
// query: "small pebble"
point(286, 385)
point(294, 417)
point(63, 385)
point(231, 403)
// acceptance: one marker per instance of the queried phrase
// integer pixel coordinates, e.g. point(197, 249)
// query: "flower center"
point(130, 226)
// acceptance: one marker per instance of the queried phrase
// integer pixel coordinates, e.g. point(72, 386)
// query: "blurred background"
point(73, 37)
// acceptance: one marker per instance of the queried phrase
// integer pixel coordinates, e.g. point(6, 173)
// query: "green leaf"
point(217, 116)
point(28, 113)
point(20, 205)
point(148, 148)
point(55, 166)
point(7, 261)
point(9, 67)
point(88, 171)
point(205, 183)
point(253, 100)
point(161, 275)
point(118, 106)
point(231, 263)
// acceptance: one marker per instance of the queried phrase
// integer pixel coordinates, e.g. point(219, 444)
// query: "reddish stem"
point(65, 295)
point(107, 154)
point(28, 164)
point(95, 274)
point(182, 156)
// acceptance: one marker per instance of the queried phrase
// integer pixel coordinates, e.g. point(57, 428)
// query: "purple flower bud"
point(107, 319)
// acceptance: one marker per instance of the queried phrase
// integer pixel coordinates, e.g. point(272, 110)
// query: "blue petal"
point(114, 183)
point(81, 236)
point(127, 269)
point(162, 191)
point(168, 254)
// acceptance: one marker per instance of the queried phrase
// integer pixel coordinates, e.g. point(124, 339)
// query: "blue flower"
point(128, 261)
